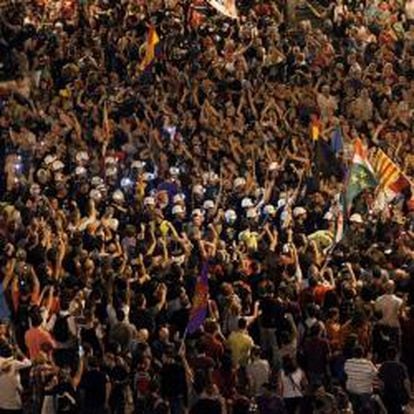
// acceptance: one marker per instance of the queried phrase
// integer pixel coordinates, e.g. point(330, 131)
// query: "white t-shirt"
point(291, 384)
point(360, 375)
point(258, 373)
point(389, 305)
point(10, 384)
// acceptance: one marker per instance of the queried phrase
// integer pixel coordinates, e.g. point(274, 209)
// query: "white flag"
point(227, 7)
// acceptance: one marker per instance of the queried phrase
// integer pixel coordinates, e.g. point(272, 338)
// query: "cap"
point(230, 215)
point(110, 160)
point(177, 209)
point(138, 165)
point(49, 159)
point(281, 203)
point(269, 209)
point(178, 198)
point(96, 181)
point(239, 181)
point(80, 170)
point(298, 211)
point(118, 196)
point(197, 212)
point(174, 171)
point(95, 195)
point(57, 165)
point(82, 156)
point(356, 218)
point(208, 204)
point(247, 202)
point(111, 170)
point(149, 201)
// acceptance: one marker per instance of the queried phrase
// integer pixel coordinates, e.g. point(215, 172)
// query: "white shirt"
point(10, 384)
point(291, 384)
point(389, 305)
point(360, 374)
point(258, 373)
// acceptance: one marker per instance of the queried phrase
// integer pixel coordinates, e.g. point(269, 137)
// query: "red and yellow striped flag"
point(150, 48)
point(389, 175)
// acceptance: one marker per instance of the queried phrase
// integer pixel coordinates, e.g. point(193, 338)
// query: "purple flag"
point(200, 301)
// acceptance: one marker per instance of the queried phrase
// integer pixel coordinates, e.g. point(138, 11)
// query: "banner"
point(226, 7)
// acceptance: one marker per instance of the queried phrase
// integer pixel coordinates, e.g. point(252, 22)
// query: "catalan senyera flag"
point(150, 49)
point(200, 301)
point(390, 178)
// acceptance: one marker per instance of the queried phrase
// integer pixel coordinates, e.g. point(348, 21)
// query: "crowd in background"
point(119, 182)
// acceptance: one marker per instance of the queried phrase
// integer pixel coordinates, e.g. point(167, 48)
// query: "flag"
point(150, 49)
point(337, 142)
point(391, 179)
point(226, 7)
point(200, 301)
point(339, 220)
point(361, 174)
point(325, 161)
point(315, 129)
point(105, 123)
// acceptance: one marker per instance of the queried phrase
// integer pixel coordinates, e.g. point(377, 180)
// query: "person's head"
point(392, 353)
point(242, 324)
point(36, 319)
point(389, 287)
point(120, 315)
point(358, 352)
point(289, 365)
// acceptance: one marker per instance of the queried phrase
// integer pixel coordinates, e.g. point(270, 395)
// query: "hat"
point(198, 189)
point(230, 215)
point(208, 204)
point(138, 165)
point(111, 170)
point(95, 195)
point(239, 181)
point(149, 201)
point(356, 218)
point(281, 203)
point(126, 182)
point(110, 160)
point(251, 213)
point(298, 211)
point(174, 171)
point(118, 196)
point(80, 170)
point(269, 209)
point(50, 159)
point(96, 181)
point(178, 198)
point(57, 165)
point(82, 156)
point(247, 202)
point(177, 209)
point(197, 212)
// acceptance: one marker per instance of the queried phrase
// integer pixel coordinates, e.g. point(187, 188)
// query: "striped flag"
point(391, 179)
point(150, 49)
point(200, 301)
point(315, 128)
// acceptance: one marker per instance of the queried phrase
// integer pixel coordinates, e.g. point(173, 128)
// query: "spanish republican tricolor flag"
point(150, 49)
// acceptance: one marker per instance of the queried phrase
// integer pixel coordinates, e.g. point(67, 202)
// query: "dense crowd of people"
point(120, 182)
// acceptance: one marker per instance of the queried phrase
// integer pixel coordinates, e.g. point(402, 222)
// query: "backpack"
point(61, 329)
